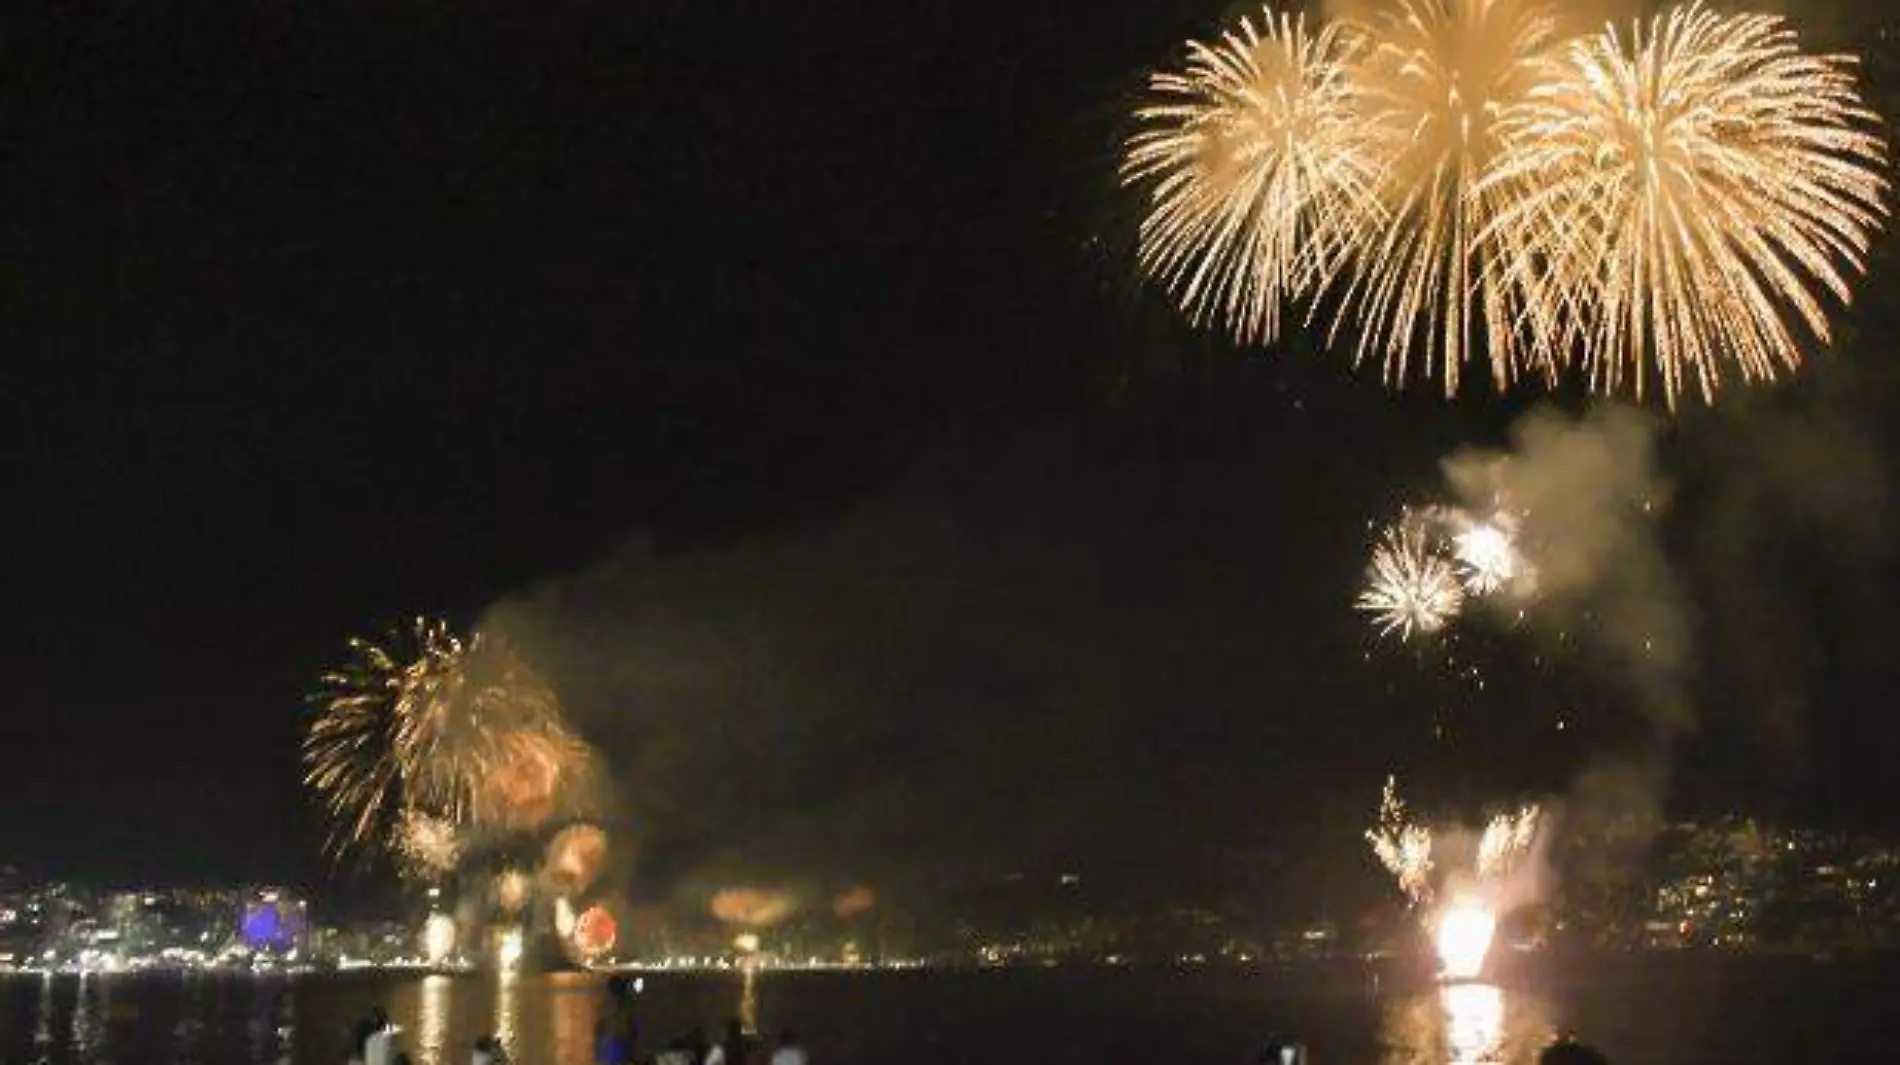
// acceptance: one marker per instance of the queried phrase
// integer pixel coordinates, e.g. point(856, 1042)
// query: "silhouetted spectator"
point(1282, 1053)
point(1569, 1052)
point(617, 1035)
point(732, 1050)
point(789, 1052)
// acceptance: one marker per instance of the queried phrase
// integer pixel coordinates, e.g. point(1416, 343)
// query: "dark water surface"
point(1641, 1011)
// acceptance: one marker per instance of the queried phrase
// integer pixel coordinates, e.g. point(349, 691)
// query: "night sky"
point(785, 378)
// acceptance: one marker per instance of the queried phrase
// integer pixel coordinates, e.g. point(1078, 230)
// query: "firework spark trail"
point(428, 725)
point(1404, 848)
point(1258, 172)
point(1690, 182)
point(1409, 586)
point(1431, 90)
point(1506, 841)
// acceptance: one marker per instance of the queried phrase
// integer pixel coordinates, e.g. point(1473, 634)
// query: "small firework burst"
point(428, 846)
point(1488, 555)
point(1410, 588)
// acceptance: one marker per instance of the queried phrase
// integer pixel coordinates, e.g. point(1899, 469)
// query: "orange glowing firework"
point(574, 859)
point(858, 900)
point(511, 891)
point(595, 932)
point(1693, 183)
point(1257, 170)
point(752, 907)
point(531, 770)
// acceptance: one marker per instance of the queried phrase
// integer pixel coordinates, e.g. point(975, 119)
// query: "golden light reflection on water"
point(575, 1003)
point(508, 1011)
point(432, 1022)
point(749, 999)
point(85, 1015)
point(1465, 1024)
point(1474, 1022)
point(43, 1013)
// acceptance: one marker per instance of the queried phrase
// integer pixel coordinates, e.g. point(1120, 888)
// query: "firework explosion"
point(427, 846)
point(426, 730)
point(510, 891)
point(1260, 172)
point(595, 932)
point(1463, 938)
point(1431, 90)
point(1457, 175)
point(1692, 183)
point(1459, 902)
point(1430, 562)
point(1409, 588)
point(1487, 554)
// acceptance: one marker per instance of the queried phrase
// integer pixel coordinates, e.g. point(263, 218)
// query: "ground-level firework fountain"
point(1462, 937)
point(1459, 892)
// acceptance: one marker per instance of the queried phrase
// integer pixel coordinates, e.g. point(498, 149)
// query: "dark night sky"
point(314, 316)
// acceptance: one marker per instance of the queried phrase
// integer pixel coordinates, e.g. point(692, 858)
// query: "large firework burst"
point(425, 728)
point(1693, 182)
point(1257, 170)
point(1427, 290)
point(1460, 184)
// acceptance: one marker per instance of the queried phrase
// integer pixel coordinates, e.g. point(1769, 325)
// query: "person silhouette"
point(1567, 1051)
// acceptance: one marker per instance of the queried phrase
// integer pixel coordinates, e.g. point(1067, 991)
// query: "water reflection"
point(43, 1014)
point(508, 1011)
point(1474, 1022)
point(574, 1004)
point(286, 1023)
point(749, 1000)
point(85, 1016)
point(1465, 1024)
point(432, 1022)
